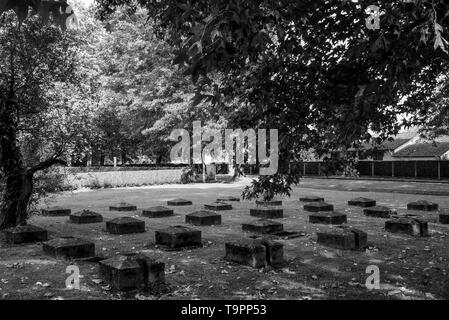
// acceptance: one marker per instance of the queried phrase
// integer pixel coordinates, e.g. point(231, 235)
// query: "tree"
point(142, 96)
point(36, 77)
point(435, 115)
point(310, 68)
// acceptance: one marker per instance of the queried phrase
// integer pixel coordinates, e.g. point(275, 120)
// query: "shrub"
point(267, 187)
point(188, 175)
point(46, 184)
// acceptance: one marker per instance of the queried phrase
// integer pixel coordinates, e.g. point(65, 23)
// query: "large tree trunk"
point(18, 179)
point(18, 182)
point(16, 196)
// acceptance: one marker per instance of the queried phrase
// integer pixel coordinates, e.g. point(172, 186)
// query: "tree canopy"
point(59, 12)
point(310, 68)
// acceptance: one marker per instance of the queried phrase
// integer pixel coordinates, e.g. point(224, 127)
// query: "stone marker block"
point(69, 248)
point(178, 237)
point(255, 253)
point(125, 225)
point(422, 205)
point(274, 252)
point(203, 218)
point(378, 212)
point(267, 212)
point(271, 203)
point(218, 206)
point(157, 212)
point(86, 217)
point(56, 212)
point(444, 218)
point(362, 202)
point(311, 199)
point(407, 225)
point(344, 238)
point(263, 226)
point(131, 272)
point(318, 207)
point(228, 199)
point(247, 252)
point(25, 234)
point(123, 207)
point(334, 218)
point(179, 203)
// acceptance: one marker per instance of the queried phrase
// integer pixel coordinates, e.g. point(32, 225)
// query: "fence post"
point(439, 170)
point(392, 169)
point(416, 169)
point(304, 169)
point(372, 168)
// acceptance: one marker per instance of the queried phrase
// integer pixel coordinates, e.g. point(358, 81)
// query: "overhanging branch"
point(46, 164)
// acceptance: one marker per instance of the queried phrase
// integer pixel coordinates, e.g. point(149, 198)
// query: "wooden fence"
point(424, 169)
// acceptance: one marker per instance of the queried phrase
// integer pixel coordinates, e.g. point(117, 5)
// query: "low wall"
point(121, 178)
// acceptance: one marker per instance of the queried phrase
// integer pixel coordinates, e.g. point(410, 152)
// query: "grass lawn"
point(411, 268)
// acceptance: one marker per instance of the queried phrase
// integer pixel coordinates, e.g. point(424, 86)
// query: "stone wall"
point(120, 178)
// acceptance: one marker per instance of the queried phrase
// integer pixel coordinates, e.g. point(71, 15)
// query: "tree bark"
point(18, 183)
point(18, 179)
point(17, 194)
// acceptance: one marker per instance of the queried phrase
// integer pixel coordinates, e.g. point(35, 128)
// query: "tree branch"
point(46, 164)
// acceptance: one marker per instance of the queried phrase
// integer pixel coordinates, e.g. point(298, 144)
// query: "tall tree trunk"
point(102, 158)
point(123, 154)
point(18, 182)
point(17, 194)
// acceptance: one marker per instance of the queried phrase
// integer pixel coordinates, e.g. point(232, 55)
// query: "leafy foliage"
point(309, 68)
point(267, 187)
point(141, 95)
point(42, 109)
point(59, 11)
point(188, 175)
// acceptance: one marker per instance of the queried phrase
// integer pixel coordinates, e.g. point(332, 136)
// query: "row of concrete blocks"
point(341, 237)
point(349, 238)
point(180, 237)
point(171, 237)
point(87, 216)
point(207, 218)
point(421, 205)
point(317, 205)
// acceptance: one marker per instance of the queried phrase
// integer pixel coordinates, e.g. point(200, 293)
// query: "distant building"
point(410, 145)
point(436, 150)
point(407, 145)
point(387, 149)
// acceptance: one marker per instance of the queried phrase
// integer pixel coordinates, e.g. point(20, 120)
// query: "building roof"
point(398, 140)
point(407, 134)
point(429, 149)
point(386, 145)
point(391, 145)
